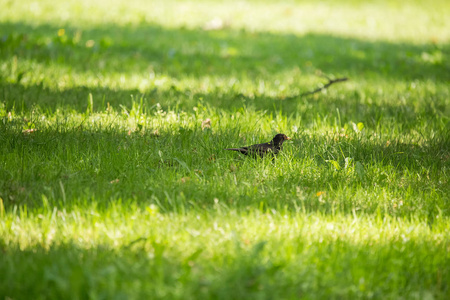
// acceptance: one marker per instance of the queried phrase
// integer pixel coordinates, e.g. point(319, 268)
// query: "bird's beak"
point(288, 138)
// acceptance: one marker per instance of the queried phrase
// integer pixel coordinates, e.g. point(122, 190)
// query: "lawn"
point(114, 184)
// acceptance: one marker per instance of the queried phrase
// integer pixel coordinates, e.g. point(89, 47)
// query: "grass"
point(111, 187)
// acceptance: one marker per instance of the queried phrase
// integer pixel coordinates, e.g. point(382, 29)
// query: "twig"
point(330, 82)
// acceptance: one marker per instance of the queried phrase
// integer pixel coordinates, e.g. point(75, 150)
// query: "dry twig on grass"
point(330, 82)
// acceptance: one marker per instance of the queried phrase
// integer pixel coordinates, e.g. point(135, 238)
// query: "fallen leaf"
point(28, 131)
point(90, 44)
point(185, 179)
point(155, 133)
point(206, 124)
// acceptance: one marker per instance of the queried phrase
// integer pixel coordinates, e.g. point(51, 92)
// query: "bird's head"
point(279, 139)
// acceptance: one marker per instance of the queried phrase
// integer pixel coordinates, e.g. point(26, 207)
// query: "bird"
point(272, 147)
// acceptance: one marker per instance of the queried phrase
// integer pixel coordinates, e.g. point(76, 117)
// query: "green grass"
point(111, 188)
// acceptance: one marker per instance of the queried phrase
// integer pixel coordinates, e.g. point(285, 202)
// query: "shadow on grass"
point(84, 164)
point(186, 169)
point(233, 53)
point(24, 99)
point(318, 270)
point(182, 53)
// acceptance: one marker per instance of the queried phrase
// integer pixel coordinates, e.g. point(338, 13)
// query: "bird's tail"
point(234, 149)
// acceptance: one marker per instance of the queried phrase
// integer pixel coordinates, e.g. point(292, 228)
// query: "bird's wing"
point(260, 147)
point(263, 149)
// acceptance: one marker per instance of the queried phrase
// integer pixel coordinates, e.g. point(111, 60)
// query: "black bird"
point(274, 146)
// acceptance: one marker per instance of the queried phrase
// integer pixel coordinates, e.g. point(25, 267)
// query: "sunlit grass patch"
point(270, 253)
